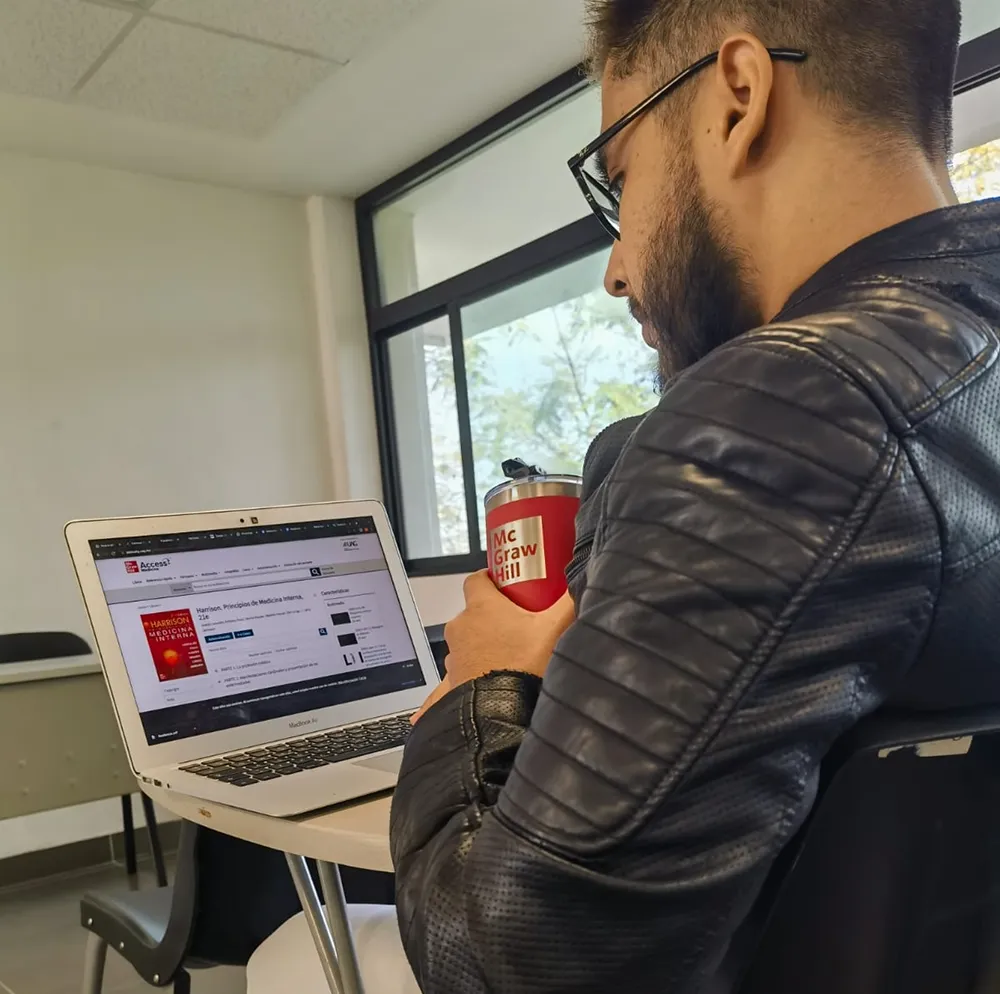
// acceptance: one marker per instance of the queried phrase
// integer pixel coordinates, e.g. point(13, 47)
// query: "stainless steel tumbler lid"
point(533, 486)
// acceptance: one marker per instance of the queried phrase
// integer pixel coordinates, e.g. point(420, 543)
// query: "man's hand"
point(493, 633)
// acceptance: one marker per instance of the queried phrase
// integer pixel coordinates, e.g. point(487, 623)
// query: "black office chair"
point(893, 885)
point(227, 897)
point(435, 635)
point(32, 647)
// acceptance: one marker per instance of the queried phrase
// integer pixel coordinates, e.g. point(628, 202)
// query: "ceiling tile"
point(47, 45)
point(183, 75)
point(337, 29)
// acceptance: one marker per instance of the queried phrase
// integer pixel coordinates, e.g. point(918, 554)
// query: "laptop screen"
point(227, 628)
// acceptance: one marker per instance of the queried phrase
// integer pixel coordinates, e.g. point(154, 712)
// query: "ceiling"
point(294, 96)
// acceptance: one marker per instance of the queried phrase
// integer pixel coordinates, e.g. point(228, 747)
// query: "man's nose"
point(615, 279)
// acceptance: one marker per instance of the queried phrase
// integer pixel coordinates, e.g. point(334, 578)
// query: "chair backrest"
point(228, 897)
point(893, 886)
point(435, 635)
point(27, 647)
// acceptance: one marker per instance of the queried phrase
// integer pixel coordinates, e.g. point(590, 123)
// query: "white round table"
point(353, 835)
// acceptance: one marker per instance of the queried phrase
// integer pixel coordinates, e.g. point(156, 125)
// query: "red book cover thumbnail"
point(173, 642)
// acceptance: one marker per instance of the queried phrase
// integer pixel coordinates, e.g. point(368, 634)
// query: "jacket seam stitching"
point(636, 598)
point(917, 415)
point(882, 281)
point(973, 560)
point(762, 441)
point(610, 730)
point(698, 581)
point(942, 567)
point(698, 540)
point(734, 505)
point(708, 466)
point(472, 781)
point(976, 362)
point(795, 405)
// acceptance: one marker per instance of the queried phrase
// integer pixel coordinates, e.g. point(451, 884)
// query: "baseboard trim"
point(75, 856)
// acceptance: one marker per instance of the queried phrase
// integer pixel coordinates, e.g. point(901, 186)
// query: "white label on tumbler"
point(517, 552)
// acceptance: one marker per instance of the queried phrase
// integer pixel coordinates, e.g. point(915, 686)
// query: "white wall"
point(158, 352)
point(51, 829)
point(439, 598)
point(168, 346)
point(345, 363)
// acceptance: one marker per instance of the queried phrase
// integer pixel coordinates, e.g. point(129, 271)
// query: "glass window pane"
point(976, 172)
point(427, 442)
point(977, 116)
point(512, 192)
point(979, 17)
point(550, 364)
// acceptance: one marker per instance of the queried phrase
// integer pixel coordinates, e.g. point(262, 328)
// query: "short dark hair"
point(888, 63)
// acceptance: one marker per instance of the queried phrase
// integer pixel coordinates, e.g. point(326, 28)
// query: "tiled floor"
point(41, 941)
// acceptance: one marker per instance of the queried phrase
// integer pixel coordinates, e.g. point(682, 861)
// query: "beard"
point(696, 292)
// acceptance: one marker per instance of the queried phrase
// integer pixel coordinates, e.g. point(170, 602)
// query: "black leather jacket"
point(806, 528)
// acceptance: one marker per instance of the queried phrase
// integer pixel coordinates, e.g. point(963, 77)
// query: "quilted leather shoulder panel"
point(909, 345)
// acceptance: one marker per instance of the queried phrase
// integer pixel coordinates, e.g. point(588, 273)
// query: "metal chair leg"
point(93, 964)
point(182, 982)
point(319, 926)
point(336, 915)
point(128, 829)
point(154, 840)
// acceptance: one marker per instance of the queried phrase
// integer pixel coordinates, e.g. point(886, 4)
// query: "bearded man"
point(805, 530)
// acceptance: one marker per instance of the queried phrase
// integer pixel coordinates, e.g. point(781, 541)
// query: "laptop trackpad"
point(389, 763)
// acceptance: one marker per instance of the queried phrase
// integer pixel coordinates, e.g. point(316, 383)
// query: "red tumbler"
point(531, 531)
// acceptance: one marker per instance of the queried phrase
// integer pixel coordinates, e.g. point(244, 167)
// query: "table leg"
point(336, 913)
point(154, 840)
point(319, 927)
point(128, 831)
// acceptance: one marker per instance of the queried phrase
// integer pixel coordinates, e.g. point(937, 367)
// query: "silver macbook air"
point(268, 659)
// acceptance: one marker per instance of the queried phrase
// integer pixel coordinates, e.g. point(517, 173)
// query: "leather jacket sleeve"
point(765, 571)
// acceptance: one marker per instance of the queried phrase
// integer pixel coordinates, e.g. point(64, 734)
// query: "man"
point(805, 529)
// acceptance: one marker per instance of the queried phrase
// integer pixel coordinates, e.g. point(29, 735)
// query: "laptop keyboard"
point(242, 769)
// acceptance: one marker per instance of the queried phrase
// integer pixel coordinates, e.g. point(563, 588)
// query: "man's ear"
point(742, 87)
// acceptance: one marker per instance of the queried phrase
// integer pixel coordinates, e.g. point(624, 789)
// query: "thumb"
point(563, 613)
point(478, 586)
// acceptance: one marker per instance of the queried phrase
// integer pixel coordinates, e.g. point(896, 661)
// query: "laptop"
point(268, 659)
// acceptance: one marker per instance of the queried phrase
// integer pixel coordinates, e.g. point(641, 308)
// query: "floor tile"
point(42, 942)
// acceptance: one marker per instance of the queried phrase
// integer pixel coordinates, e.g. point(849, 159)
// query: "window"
point(425, 417)
point(492, 336)
point(506, 195)
point(549, 364)
point(976, 172)
point(546, 365)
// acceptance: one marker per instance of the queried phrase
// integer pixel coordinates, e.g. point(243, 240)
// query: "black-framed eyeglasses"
point(592, 176)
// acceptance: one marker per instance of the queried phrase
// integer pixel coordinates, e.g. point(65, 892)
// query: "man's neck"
point(845, 203)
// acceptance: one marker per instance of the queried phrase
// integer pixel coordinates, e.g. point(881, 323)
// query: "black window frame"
point(978, 64)
point(446, 299)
